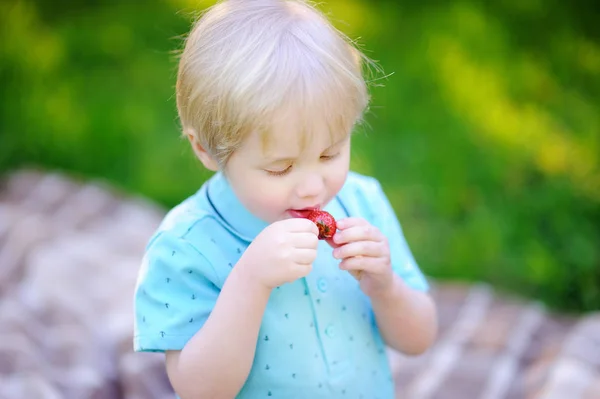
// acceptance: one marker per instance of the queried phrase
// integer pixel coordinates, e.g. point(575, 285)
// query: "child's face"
point(281, 181)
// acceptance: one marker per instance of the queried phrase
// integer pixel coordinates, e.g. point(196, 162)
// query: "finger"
point(355, 266)
point(299, 270)
point(304, 256)
point(360, 248)
point(362, 232)
point(331, 242)
point(305, 240)
point(348, 222)
point(298, 225)
point(356, 263)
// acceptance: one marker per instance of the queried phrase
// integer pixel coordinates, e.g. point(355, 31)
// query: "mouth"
point(301, 213)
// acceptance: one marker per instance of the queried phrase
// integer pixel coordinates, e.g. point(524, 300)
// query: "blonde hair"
point(244, 61)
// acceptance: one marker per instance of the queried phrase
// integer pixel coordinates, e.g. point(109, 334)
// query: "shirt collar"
point(236, 217)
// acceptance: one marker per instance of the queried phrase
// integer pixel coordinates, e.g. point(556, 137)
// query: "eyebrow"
point(290, 159)
point(279, 160)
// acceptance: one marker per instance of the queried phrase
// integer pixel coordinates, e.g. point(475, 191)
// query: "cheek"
point(267, 202)
point(338, 173)
point(338, 180)
point(264, 199)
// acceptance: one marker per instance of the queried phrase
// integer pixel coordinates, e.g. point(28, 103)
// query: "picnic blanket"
point(69, 256)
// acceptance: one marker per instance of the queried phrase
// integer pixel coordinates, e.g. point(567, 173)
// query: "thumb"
point(331, 243)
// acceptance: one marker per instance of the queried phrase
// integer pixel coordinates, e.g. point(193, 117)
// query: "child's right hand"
point(283, 252)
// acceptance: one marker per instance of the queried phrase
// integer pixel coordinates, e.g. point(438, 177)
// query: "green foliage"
point(485, 130)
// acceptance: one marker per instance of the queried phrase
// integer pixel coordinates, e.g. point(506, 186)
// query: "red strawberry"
point(325, 222)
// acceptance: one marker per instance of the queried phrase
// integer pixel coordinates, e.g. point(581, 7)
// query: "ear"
point(207, 160)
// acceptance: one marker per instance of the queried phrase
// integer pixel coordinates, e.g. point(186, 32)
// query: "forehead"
point(293, 133)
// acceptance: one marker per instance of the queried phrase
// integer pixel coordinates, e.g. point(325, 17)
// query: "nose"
point(310, 186)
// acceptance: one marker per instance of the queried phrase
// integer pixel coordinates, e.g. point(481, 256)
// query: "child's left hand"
point(365, 251)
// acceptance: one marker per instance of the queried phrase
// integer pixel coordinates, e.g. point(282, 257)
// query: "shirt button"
point(322, 285)
point(330, 331)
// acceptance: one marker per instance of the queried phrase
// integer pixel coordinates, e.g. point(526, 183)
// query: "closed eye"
point(279, 172)
point(329, 157)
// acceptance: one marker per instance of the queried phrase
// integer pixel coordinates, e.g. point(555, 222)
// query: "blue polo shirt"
point(318, 337)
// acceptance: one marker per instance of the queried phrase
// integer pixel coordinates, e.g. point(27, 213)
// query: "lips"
point(301, 213)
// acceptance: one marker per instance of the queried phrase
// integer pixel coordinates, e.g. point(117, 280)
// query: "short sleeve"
point(403, 261)
point(174, 295)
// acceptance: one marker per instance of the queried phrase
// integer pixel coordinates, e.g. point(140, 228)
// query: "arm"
point(407, 318)
point(216, 361)
point(406, 314)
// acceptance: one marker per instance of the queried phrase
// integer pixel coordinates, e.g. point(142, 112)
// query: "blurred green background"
point(485, 134)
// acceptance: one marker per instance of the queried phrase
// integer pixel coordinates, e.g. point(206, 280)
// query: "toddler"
point(235, 286)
